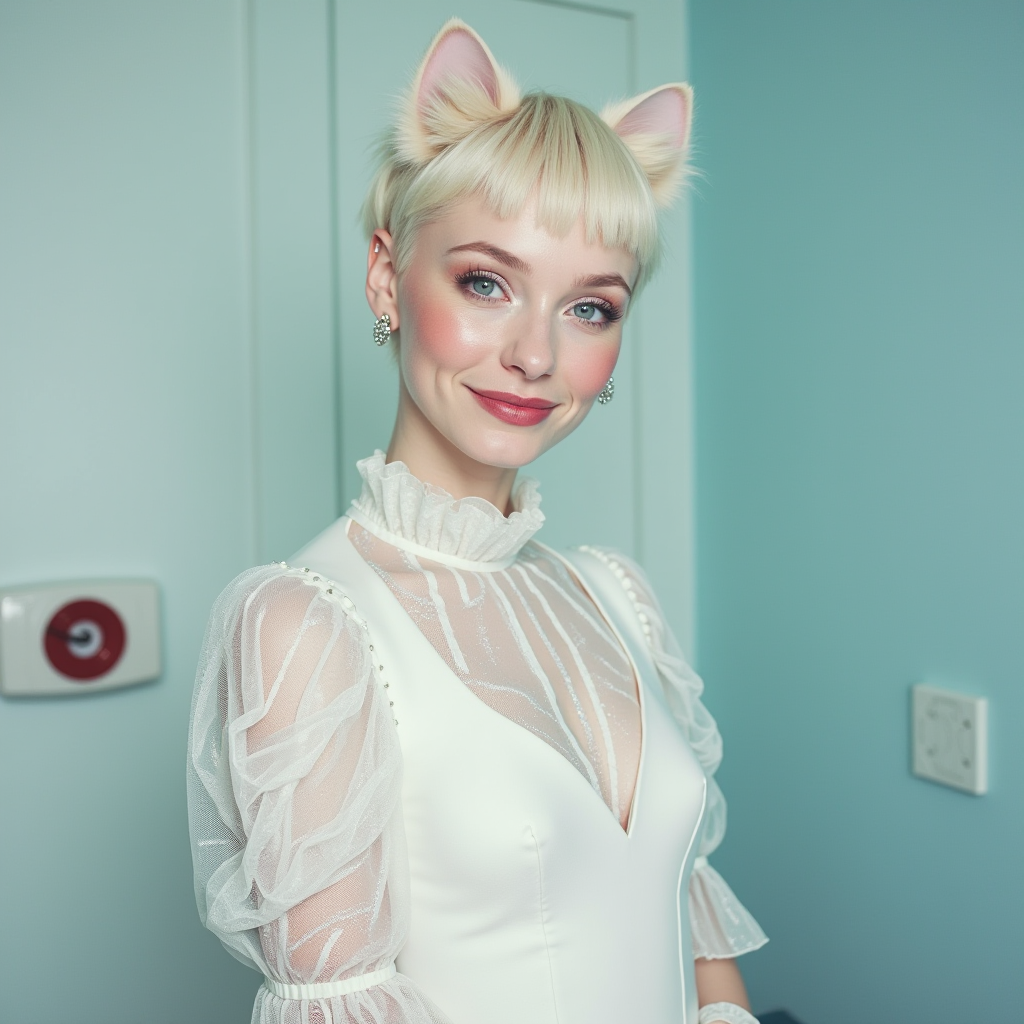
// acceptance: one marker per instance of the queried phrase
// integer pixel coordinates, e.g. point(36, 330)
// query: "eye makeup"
point(610, 311)
point(467, 277)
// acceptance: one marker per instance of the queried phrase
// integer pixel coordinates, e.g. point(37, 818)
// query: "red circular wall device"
point(84, 640)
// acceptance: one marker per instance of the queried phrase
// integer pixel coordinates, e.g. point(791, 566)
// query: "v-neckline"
point(637, 680)
point(627, 831)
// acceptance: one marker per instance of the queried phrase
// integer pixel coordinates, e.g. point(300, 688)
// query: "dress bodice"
point(359, 795)
point(527, 899)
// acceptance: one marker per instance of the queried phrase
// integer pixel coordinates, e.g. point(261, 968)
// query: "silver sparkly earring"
point(381, 329)
point(607, 393)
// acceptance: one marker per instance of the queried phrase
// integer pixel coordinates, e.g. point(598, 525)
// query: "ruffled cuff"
point(725, 1013)
point(722, 927)
point(396, 1001)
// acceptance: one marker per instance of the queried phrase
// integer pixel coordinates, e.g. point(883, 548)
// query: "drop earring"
point(607, 393)
point(381, 329)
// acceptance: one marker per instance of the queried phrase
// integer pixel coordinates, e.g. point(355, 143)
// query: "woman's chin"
point(502, 450)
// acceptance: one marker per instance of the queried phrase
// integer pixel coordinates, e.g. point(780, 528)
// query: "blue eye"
point(587, 311)
point(483, 284)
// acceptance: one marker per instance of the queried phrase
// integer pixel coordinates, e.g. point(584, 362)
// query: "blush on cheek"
point(592, 373)
point(439, 335)
point(436, 331)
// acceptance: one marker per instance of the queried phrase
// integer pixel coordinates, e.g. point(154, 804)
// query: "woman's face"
point(508, 333)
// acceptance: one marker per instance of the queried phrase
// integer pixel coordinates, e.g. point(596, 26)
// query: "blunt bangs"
point(552, 150)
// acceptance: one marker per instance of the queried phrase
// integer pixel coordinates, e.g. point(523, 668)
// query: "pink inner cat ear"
point(457, 87)
point(655, 128)
point(459, 53)
point(665, 112)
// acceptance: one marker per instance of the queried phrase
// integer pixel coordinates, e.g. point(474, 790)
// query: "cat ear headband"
point(459, 86)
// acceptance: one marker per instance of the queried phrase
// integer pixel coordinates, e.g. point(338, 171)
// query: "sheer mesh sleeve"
point(721, 926)
point(294, 775)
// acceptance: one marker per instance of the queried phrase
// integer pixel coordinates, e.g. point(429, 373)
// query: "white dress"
point(434, 741)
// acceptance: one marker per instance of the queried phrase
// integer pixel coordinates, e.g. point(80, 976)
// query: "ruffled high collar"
point(409, 513)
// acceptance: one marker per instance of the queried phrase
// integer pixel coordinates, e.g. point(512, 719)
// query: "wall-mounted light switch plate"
point(950, 738)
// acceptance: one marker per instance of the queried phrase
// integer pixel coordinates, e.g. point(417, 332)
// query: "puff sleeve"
point(294, 775)
point(721, 926)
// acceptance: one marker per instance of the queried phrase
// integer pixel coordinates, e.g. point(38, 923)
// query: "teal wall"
point(859, 280)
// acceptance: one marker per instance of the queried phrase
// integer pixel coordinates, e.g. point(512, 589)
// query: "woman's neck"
point(432, 458)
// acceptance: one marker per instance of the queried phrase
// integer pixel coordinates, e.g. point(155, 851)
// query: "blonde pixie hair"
point(465, 131)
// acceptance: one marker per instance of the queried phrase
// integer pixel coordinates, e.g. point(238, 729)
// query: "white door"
point(624, 478)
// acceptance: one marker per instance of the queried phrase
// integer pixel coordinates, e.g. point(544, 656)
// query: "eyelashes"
point(611, 312)
point(475, 272)
point(485, 285)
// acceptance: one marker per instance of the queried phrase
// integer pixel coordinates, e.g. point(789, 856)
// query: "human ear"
point(382, 277)
point(655, 126)
point(458, 86)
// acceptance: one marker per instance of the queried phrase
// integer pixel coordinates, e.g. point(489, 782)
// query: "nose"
point(531, 349)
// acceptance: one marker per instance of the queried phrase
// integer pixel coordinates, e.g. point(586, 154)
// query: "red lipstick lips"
point(514, 409)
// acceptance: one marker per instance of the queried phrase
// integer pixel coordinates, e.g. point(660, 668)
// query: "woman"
point(430, 739)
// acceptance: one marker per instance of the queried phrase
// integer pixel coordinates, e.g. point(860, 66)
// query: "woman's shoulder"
point(614, 568)
point(625, 569)
point(610, 571)
point(612, 579)
point(273, 582)
point(319, 565)
point(273, 628)
point(280, 600)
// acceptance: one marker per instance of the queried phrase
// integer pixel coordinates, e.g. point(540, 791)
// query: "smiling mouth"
point(514, 409)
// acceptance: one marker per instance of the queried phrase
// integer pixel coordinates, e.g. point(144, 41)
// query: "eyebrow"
point(495, 252)
point(603, 281)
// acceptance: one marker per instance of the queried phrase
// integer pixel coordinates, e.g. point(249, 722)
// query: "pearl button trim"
point(328, 587)
point(619, 571)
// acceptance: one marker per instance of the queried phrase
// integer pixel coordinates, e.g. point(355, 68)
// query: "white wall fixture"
point(73, 638)
point(950, 738)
